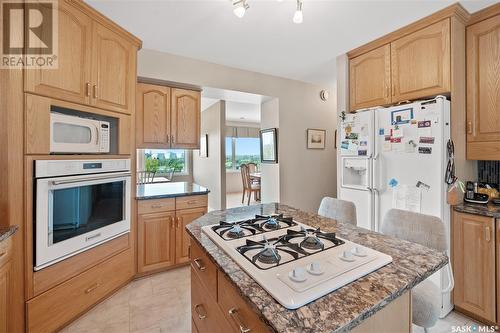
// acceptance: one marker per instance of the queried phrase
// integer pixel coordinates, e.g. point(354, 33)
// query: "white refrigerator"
point(396, 157)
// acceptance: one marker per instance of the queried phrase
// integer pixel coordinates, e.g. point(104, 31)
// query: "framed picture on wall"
point(269, 145)
point(316, 138)
point(204, 145)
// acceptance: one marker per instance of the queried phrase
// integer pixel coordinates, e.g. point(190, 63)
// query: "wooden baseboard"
point(160, 270)
point(474, 316)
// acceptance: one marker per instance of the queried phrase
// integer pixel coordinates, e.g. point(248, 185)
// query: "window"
point(240, 151)
point(164, 160)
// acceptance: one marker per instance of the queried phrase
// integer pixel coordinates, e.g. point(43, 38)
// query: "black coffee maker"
point(472, 196)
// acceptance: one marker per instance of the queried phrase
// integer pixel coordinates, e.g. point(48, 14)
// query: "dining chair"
point(248, 186)
point(145, 177)
point(428, 231)
point(341, 210)
point(252, 168)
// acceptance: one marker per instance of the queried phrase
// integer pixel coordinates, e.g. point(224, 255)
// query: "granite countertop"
point(478, 209)
point(168, 190)
point(6, 232)
point(343, 309)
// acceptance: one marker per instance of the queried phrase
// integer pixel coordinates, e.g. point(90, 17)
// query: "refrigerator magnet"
point(381, 131)
point(397, 133)
point(427, 140)
point(362, 152)
point(403, 116)
point(393, 182)
point(424, 150)
point(344, 145)
point(424, 123)
point(351, 136)
point(395, 140)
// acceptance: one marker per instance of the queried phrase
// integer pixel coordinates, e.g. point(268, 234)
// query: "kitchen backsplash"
point(489, 171)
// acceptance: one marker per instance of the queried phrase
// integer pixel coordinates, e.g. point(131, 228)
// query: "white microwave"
point(73, 134)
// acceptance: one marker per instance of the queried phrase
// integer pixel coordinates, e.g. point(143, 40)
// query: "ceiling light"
point(240, 7)
point(298, 16)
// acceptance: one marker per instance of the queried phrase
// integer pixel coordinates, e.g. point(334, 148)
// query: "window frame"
point(141, 158)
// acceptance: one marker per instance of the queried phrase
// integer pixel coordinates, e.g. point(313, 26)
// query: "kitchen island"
point(343, 310)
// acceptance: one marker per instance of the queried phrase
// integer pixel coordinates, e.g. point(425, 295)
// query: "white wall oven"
point(79, 205)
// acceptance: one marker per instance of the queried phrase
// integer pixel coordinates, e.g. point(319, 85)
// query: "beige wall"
point(305, 175)
point(270, 181)
point(208, 171)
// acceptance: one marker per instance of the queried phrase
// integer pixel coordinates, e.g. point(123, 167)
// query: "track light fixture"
point(240, 7)
point(298, 17)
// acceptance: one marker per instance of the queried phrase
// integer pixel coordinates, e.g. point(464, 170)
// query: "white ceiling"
point(242, 112)
point(266, 40)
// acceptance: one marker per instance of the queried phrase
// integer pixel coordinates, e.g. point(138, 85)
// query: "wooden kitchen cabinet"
point(185, 118)
point(156, 235)
point(167, 117)
point(162, 238)
point(420, 63)
point(96, 62)
point(370, 78)
point(5, 284)
point(237, 312)
point(483, 90)
point(474, 264)
point(114, 70)
point(152, 116)
point(183, 218)
point(71, 80)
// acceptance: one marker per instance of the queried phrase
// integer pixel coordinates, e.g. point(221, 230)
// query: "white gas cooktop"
point(293, 262)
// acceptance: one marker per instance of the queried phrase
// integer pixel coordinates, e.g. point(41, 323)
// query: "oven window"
point(69, 133)
point(82, 209)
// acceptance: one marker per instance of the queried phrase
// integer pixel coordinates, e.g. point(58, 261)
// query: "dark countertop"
point(343, 309)
point(169, 190)
point(6, 232)
point(478, 209)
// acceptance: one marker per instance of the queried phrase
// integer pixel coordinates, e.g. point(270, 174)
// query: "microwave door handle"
point(83, 180)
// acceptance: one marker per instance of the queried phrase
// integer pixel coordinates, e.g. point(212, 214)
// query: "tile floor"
point(234, 200)
point(161, 304)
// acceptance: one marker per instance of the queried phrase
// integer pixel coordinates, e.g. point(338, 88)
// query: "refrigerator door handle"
point(375, 209)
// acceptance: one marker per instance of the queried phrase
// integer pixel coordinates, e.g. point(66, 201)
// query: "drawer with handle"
point(60, 305)
point(5, 251)
point(239, 314)
point(204, 268)
point(156, 205)
point(192, 201)
point(205, 313)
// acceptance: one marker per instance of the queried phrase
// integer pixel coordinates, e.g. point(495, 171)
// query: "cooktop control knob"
point(359, 251)
point(347, 256)
point(315, 268)
point(298, 274)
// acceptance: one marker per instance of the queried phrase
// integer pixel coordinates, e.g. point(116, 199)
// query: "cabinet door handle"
point(156, 206)
point(95, 90)
point(201, 315)
point(179, 222)
point(92, 288)
point(387, 91)
point(393, 89)
point(87, 89)
point(168, 138)
point(487, 234)
point(199, 265)
point(234, 314)
point(173, 139)
point(469, 127)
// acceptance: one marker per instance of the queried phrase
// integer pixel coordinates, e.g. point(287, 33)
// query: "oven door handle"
point(81, 180)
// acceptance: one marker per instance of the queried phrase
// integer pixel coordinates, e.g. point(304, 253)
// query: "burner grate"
point(258, 225)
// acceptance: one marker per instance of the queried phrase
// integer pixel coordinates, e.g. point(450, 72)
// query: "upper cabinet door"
point(186, 112)
point(71, 80)
point(421, 63)
point(114, 71)
point(152, 116)
point(370, 79)
point(483, 82)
